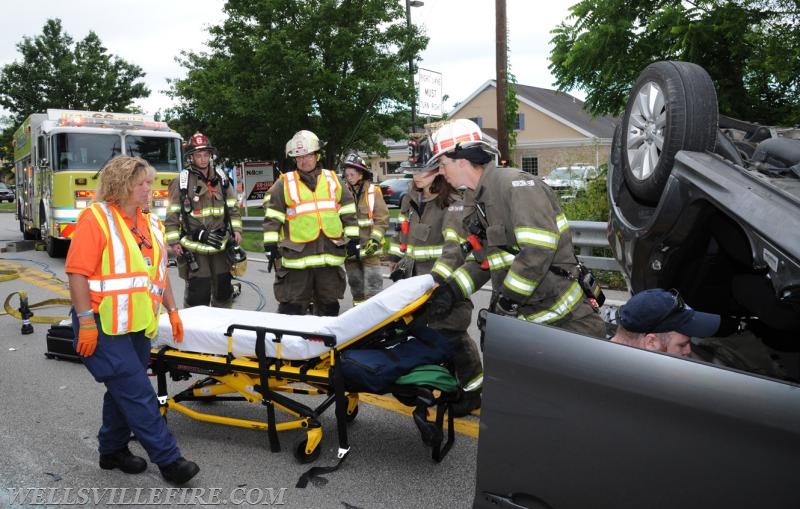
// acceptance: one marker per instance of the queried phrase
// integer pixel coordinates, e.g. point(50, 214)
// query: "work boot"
point(469, 401)
point(123, 460)
point(179, 471)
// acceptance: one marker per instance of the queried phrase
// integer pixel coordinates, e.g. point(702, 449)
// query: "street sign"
point(430, 93)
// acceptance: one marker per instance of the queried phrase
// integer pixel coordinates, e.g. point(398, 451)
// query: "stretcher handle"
point(328, 340)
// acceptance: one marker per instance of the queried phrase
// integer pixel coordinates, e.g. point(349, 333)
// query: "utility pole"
point(409, 5)
point(501, 30)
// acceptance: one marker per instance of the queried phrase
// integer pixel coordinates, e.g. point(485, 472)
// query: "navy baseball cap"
point(660, 310)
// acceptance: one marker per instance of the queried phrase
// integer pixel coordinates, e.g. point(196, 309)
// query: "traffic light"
point(418, 151)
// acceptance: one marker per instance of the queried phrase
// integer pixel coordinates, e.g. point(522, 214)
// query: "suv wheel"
point(672, 107)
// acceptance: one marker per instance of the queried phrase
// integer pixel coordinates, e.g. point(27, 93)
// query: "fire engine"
point(58, 157)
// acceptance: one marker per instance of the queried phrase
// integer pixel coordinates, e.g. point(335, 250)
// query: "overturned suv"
point(707, 204)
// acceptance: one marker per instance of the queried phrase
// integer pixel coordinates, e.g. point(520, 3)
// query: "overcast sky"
point(151, 33)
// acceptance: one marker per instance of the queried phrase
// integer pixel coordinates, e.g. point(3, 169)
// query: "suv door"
point(569, 421)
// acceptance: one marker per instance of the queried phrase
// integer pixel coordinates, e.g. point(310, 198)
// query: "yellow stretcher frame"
point(242, 377)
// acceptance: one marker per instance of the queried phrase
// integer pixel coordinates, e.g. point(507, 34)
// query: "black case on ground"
point(59, 343)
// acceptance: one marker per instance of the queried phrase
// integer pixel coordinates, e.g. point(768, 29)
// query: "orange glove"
point(87, 338)
point(177, 325)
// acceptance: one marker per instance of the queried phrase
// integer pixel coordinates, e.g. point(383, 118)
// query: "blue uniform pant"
point(129, 404)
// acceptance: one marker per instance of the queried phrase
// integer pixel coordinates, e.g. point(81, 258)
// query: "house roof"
point(558, 105)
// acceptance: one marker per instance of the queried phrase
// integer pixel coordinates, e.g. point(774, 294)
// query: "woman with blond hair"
point(117, 270)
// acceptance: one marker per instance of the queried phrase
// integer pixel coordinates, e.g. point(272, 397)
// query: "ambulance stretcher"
point(263, 358)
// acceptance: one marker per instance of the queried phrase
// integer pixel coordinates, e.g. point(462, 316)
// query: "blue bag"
point(375, 369)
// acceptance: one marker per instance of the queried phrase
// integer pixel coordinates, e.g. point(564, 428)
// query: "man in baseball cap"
point(660, 320)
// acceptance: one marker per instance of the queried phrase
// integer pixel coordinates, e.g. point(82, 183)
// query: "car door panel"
point(569, 421)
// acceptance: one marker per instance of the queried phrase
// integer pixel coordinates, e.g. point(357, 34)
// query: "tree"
point(55, 73)
point(335, 67)
point(751, 49)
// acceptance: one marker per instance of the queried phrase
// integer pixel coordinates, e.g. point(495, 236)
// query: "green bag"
point(430, 375)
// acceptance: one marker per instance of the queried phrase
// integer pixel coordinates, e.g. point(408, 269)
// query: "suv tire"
point(672, 107)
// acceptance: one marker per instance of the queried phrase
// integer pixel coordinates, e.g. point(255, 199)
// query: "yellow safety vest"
point(130, 292)
point(309, 212)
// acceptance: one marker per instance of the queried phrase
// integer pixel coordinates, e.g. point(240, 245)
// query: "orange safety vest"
point(129, 290)
point(310, 212)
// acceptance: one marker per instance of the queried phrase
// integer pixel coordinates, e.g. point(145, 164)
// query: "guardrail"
point(586, 235)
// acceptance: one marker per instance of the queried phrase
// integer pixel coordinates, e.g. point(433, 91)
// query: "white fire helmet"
point(456, 135)
point(302, 143)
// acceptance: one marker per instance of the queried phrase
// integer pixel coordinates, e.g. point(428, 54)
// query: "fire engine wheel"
point(55, 248)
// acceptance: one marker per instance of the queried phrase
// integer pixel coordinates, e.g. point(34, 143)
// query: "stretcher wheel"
point(302, 455)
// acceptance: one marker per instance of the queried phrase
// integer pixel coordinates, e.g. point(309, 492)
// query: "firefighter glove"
point(177, 325)
point(371, 247)
point(506, 307)
point(352, 248)
point(442, 300)
point(213, 239)
point(87, 338)
point(271, 251)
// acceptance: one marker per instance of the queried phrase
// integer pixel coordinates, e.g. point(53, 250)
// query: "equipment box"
point(59, 343)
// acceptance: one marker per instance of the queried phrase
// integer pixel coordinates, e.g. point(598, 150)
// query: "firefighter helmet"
point(419, 152)
point(198, 142)
point(352, 160)
point(238, 259)
point(302, 143)
point(454, 136)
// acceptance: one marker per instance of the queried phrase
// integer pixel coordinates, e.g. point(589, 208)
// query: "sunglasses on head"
point(678, 305)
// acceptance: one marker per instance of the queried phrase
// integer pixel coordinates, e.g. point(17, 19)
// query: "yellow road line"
point(38, 278)
point(463, 426)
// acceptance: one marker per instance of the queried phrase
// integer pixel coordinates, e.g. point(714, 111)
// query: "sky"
point(151, 33)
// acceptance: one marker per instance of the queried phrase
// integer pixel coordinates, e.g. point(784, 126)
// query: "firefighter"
point(201, 221)
point(364, 271)
point(429, 243)
point(310, 226)
point(525, 247)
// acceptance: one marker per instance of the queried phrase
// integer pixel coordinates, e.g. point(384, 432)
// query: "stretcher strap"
point(266, 400)
point(337, 382)
point(160, 368)
point(314, 472)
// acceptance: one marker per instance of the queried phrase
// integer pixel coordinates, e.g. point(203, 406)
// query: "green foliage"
point(336, 67)
point(511, 111)
point(751, 49)
point(56, 72)
point(590, 204)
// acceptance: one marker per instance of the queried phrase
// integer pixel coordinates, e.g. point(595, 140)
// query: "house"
point(552, 130)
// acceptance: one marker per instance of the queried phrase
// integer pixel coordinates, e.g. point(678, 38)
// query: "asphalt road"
point(51, 414)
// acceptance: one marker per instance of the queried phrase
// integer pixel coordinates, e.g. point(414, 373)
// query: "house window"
point(519, 123)
point(478, 120)
point(530, 164)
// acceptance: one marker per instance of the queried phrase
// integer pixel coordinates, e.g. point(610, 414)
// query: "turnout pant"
point(364, 277)
point(210, 284)
point(323, 287)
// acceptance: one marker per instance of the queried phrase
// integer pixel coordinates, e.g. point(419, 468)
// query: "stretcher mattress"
point(205, 327)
